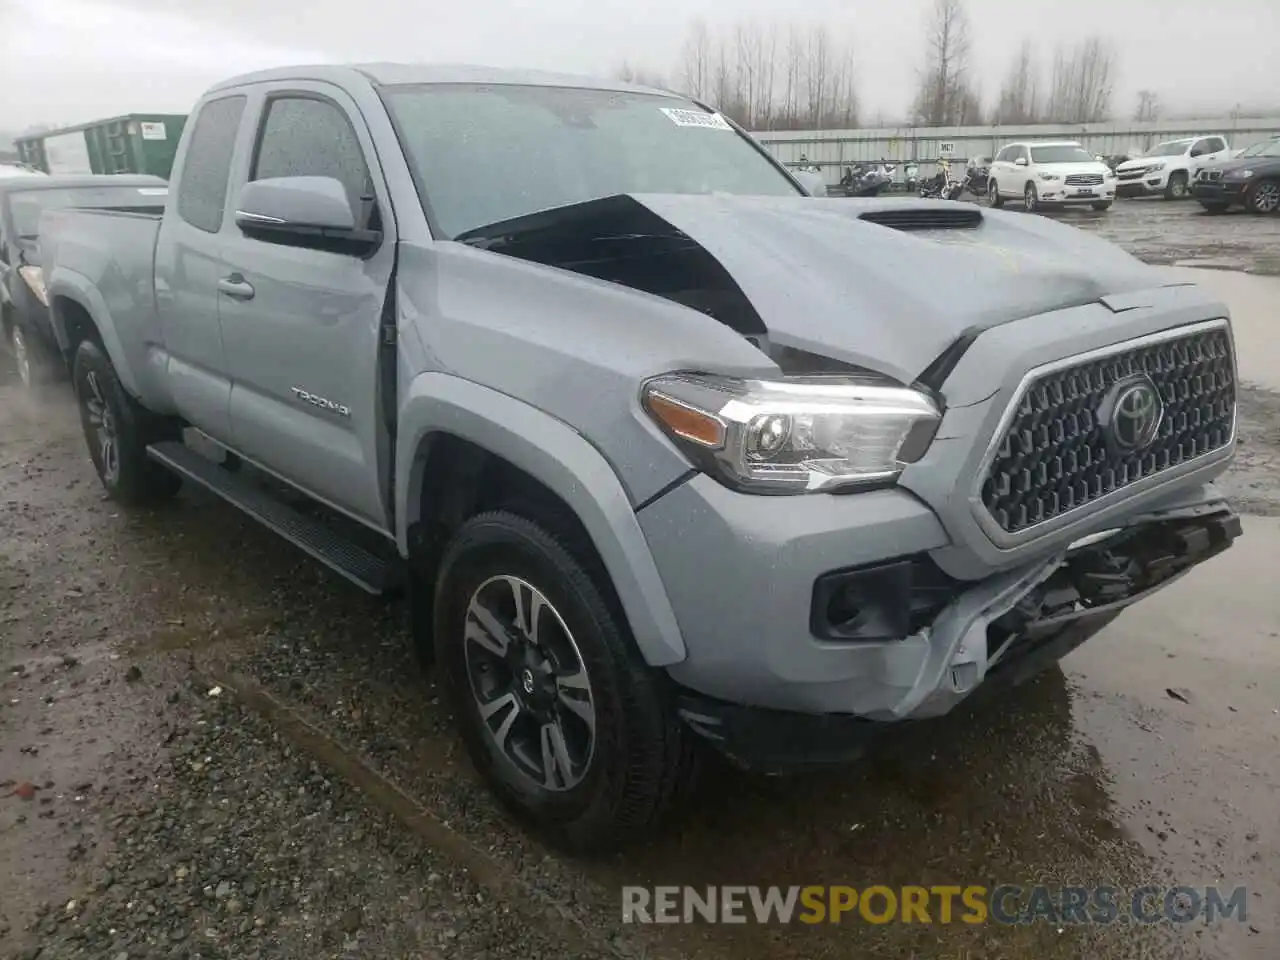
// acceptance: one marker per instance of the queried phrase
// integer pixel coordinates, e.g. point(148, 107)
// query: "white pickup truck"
point(1169, 168)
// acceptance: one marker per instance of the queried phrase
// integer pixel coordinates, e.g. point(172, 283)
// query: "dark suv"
point(1250, 180)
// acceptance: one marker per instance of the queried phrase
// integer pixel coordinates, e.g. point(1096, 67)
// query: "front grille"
point(1084, 179)
point(1054, 457)
point(1129, 174)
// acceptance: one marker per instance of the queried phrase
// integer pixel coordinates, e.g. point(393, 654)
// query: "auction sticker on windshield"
point(696, 118)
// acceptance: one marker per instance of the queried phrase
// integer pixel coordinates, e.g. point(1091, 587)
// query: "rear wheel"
point(993, 194)
point(36, 365)
point(1176, 189)
point(118, 430)
point(1264, 197)
point(560, 715)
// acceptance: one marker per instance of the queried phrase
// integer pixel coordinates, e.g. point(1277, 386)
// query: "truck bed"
point(112, 251)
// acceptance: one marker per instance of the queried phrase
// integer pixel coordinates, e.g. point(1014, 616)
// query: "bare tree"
point(1082, 82)
point(818, 64)
point(793, 71)
point(945, 76)
point(695, 66)
point(1019, 95)
point(843, 111)
point(1148, 106)
point(767, 78)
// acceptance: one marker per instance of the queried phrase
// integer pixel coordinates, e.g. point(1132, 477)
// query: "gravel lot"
point(211, 748)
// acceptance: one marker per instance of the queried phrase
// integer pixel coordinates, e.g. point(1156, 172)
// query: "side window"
point(307, 137)
point(1216, 144)
point(1201, 147)
point(202, 187)
point(1024, 153)
point(1004, 154)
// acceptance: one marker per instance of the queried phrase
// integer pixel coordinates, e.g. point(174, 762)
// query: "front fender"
point(64, 284)
point(558, 457)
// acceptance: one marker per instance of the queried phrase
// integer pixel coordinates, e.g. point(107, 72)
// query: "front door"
point(302, 326)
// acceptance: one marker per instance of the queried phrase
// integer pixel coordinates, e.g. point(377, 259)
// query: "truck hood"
point(883, 284)
point(1141, 163)
point(1082, 166)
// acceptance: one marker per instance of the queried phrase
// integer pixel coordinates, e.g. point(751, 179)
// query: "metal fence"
point(832, 150)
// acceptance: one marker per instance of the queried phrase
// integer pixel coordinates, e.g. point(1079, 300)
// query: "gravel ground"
point(317, 805)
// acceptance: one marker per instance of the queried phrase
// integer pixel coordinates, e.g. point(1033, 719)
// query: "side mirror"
point(1021, 161)
point(812, 182)
point(310, 212)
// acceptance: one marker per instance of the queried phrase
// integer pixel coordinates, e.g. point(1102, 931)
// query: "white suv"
point(1170, 167)
point(1058, 172)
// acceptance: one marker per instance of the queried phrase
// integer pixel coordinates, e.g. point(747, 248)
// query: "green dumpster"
point(136, 143)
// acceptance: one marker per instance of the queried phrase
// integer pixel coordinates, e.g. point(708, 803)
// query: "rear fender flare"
point(66, 284)
point(561, 459)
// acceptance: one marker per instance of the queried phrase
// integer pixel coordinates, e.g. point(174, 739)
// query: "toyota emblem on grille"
point(1133, 414)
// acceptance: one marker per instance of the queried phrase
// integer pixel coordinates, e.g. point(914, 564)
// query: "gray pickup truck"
point(664, 451)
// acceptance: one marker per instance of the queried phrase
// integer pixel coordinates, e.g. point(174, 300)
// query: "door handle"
point(236, 286)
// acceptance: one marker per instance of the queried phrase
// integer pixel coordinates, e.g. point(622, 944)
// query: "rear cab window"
point(206, 167)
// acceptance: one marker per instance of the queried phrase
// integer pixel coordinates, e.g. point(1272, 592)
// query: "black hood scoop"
point(926, 218)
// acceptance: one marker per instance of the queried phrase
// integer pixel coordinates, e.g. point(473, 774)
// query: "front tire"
point(118, 430)
point(1264, 197)
point(993, 193)
point(1104, 205)
point(1176, 188)
point(1030, 198)
point(560, 715)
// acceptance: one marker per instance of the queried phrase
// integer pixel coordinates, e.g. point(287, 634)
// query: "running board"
point(363, 568)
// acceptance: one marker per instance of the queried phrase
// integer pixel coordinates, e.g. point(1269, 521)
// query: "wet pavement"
point(230, 753)
point(1181, 233)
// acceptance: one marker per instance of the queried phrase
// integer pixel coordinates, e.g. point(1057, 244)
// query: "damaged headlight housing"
point(34, 278)
point(794, 435)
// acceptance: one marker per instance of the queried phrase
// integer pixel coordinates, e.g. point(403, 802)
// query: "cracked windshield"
point(718, 481)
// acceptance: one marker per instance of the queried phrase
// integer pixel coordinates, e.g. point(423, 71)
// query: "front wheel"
point(1102, 205)
point(559, 713)
point(993, 193)
point(1176, 189)
point(1030, 198)
point(1264, 197)
point(118, 430)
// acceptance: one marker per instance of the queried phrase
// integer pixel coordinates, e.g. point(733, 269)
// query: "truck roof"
point(402, 74)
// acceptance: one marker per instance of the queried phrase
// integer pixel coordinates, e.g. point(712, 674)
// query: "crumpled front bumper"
point(776, 698)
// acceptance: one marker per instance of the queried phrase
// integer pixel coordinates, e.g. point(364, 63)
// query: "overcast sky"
point(72, 60)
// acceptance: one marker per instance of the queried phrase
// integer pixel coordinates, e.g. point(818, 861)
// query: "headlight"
point(1241, 174)
point(1155, 168)
point(794, 436)
point(35, 280)
point(1050, 176)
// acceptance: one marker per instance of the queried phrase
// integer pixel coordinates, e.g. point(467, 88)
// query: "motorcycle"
point(946, 187)
point(860, 182)
point(941, 186)
point(910, 177)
